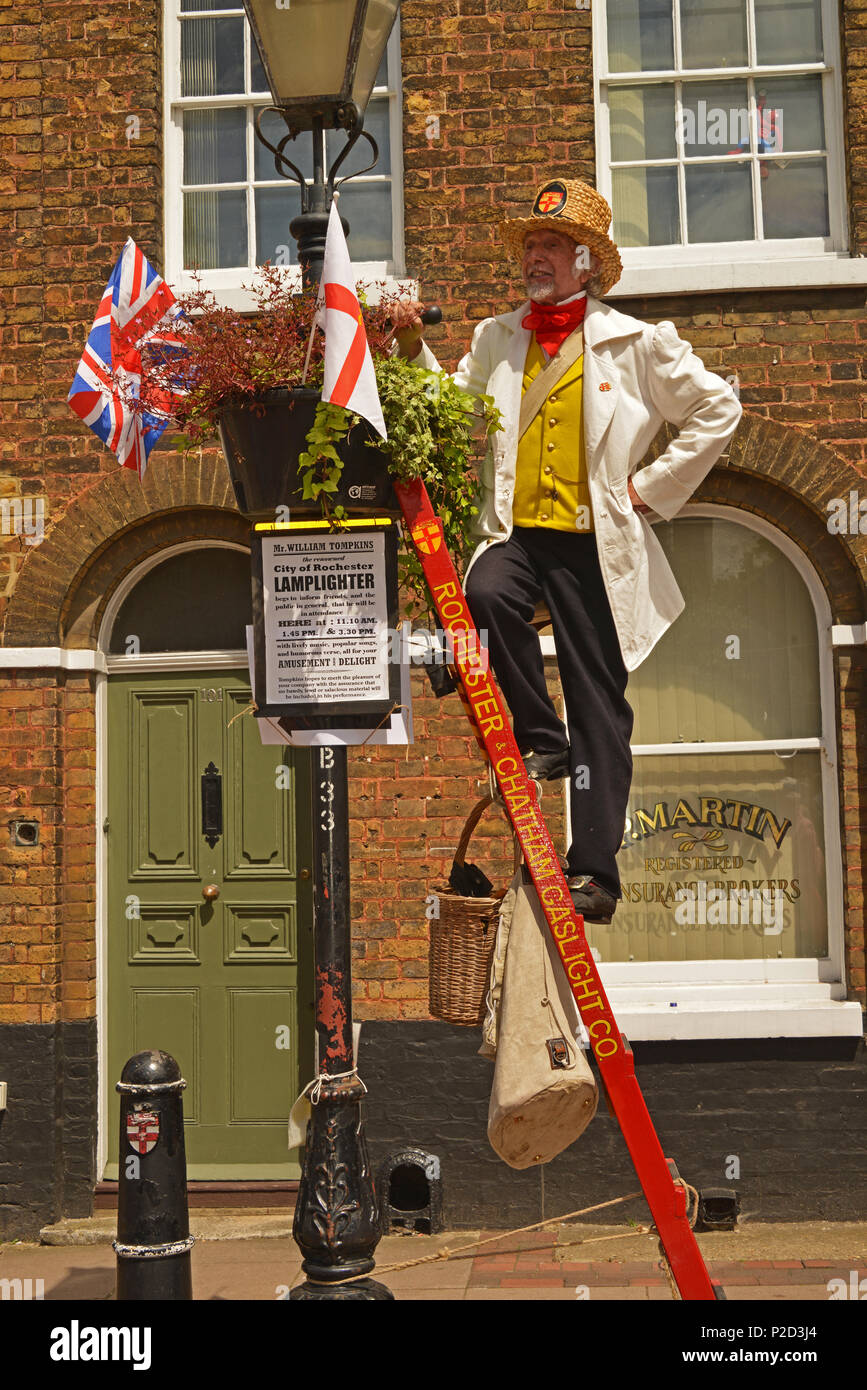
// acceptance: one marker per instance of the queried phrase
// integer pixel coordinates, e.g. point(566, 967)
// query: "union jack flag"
point(105, 391)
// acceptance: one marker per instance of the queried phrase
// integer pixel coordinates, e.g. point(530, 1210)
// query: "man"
point(564, 518)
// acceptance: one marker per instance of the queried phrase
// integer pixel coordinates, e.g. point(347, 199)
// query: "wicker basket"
point(462, 945)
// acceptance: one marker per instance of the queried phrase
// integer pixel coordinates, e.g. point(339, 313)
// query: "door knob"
point(211, 891)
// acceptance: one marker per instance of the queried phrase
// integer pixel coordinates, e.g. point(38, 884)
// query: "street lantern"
point(321, 58)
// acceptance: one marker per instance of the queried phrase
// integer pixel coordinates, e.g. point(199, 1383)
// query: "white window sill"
point(231, 294)
point(727, 999)
point(692, 277)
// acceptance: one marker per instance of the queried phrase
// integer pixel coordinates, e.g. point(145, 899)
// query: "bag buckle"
point(558, 1050)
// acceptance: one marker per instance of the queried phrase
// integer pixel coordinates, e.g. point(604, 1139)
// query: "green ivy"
point(434, 429)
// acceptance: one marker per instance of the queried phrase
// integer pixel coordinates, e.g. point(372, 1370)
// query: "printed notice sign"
point(323, 605)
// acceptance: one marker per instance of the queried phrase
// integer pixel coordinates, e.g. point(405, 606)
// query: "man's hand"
point(408, 329)
point(636, 501)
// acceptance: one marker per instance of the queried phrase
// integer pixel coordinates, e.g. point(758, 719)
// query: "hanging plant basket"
point(262, 438)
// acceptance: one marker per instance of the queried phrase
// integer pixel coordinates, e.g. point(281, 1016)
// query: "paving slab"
point(206, 1223)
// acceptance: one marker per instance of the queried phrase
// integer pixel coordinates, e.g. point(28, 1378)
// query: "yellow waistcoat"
point(551, 469)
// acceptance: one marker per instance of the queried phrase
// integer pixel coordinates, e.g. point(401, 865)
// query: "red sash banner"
point(666, 1197)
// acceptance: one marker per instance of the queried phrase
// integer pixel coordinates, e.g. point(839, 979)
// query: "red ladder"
point(658, 1175)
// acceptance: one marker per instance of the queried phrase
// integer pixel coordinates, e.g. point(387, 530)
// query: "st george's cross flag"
point(349, 379)
point(134, 303)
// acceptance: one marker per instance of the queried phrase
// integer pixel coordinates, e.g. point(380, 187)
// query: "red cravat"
point(552, 323)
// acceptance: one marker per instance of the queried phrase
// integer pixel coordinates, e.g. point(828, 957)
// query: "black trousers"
point(504, 586)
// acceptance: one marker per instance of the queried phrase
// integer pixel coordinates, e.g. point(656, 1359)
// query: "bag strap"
point(541, 386)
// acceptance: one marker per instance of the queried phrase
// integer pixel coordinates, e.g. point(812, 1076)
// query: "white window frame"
point(747, 264)
point(228, 284)
point(752, 998)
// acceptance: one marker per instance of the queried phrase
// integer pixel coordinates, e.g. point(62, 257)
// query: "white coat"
point(636, 375)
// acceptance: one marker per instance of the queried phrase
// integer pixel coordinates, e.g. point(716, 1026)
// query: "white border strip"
point(845, 636)
point(51, 658)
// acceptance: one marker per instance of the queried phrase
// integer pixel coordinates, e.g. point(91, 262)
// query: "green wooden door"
point(224, 985)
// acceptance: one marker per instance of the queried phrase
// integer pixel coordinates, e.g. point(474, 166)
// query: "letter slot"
point(212, 804)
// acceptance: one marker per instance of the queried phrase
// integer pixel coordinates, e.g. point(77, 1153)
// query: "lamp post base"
point(363, 1290)
point(336, 1223)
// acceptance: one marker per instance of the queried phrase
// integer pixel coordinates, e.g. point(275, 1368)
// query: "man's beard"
point(541, 289)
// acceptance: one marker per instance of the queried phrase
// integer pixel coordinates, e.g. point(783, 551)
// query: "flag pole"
point(334, 197)
point(310, 340)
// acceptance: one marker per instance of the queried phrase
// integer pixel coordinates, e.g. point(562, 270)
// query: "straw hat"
point(577, 210)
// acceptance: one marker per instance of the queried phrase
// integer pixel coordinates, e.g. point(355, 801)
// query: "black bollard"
point(153, 1224)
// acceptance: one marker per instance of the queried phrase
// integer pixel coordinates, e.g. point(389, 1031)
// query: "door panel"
point(173, 1016)
point(260, 829)
point(223, 984)
point(162, 751)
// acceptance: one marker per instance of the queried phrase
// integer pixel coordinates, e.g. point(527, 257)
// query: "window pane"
point(214, 146)
point(697, 684)
point(381, 79)
point(258, 80)
point(645, 207)
point(795, 198)
point(375, 121)
point(789, 31)
point(215, 230)
point(715, 119)
point(300, 151)
point(367, 209)
point(792, 113)
point(640, 35)
point(275, 209)
point(748, 825)
point(194, 6)
point(198, 601)
point(642, 122)
point(212, 57)
point(713, 33)
point(719, 203)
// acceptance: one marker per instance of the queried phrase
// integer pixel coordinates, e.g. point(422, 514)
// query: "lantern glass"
point(378, 23)
point(321, 53)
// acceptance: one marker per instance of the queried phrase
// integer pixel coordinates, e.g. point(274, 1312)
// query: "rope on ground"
point(446, 1254)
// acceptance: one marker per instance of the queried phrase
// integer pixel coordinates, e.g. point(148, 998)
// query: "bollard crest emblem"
point(143, 1129)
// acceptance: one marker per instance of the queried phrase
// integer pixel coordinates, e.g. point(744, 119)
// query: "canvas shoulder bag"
point(544, 1093)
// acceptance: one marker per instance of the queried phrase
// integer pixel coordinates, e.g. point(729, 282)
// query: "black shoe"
point(547, 767)
point(590, 900)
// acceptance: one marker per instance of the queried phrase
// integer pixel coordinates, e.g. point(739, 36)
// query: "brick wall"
point(73, 187)
point(47, 774)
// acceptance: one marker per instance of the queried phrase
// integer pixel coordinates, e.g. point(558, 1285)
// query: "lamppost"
point(321, 58)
